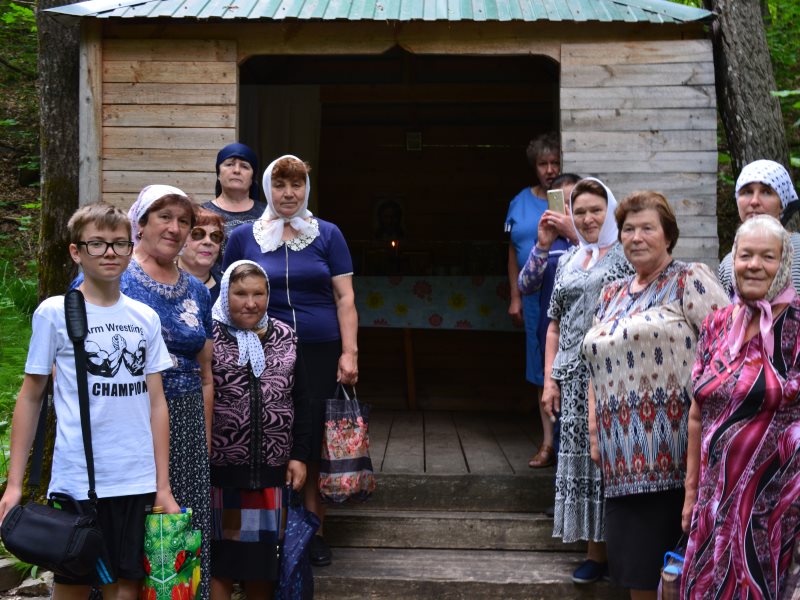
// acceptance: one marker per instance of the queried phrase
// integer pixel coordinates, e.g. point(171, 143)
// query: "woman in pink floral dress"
point(742, 501)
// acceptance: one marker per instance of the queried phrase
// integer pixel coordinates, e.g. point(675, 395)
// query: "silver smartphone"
point(555, 201)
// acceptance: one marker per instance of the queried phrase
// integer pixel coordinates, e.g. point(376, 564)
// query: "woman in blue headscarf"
point(237, 195)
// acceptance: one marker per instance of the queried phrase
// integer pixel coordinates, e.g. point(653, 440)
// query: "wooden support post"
point(411, 384)
point(90, 113)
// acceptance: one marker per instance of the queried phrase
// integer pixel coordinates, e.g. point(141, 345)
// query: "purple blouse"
point(259, 422)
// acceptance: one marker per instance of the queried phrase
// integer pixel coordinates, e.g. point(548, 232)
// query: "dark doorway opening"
point(415, 158)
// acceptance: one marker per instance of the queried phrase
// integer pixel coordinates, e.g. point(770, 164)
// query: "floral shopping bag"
point(345, 470)
point(171, 557)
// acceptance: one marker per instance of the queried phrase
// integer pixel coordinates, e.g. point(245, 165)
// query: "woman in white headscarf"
point(311, 275)
point(582, 272)
point(764, 187)
point(260, 435)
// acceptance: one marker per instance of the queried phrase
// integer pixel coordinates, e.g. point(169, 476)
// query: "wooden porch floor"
point(452, 443)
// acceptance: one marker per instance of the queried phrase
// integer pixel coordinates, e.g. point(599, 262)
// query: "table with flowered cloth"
point(437, 302)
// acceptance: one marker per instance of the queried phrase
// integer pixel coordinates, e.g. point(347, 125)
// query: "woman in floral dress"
point(161, 219)
point(743, 473)
point(582, 272)
point(640, 354)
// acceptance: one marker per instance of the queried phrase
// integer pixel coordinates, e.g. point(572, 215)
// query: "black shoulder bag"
point(64, 540)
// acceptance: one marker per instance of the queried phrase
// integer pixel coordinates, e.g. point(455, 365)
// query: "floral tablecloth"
point(438, 302)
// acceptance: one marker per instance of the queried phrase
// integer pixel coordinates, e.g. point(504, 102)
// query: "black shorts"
point(121, 519)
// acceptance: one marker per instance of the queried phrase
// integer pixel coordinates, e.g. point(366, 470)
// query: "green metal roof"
point(607, 11)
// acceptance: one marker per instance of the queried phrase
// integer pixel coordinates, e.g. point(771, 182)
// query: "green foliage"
point(18, 298)
point(22, 16)
point(19, 44)
point(19, 128)
point(784, 48)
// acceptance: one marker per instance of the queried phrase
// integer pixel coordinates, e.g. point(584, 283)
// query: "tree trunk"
point(59, 61)
point(58, 108)
point(750, 115)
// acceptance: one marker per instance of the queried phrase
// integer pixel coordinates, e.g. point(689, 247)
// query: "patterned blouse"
point(574, 302)
point(259, 423)
point(640, 354)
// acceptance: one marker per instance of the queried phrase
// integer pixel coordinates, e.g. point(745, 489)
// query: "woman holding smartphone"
point(522, 222)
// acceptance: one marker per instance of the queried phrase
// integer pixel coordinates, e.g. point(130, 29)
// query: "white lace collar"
point(297, 243)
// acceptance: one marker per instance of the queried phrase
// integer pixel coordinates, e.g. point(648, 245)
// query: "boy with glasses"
point(128, 411)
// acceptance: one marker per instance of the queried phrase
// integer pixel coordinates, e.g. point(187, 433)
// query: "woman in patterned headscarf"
point(260, 436)
point(764, 187)
point(742, 502)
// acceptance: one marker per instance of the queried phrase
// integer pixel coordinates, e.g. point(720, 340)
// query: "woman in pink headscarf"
point(742, 503)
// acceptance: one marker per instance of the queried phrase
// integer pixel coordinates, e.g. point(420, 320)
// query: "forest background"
point(20, 205)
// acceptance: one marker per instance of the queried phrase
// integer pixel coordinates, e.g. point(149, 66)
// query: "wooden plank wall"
point(642, 115)
point(168, 107)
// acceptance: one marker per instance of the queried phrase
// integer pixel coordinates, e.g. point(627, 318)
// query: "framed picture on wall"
point(389, 218)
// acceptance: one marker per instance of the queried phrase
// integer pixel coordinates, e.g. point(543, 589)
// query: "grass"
point(18, 296)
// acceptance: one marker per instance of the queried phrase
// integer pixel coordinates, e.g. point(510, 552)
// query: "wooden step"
point(532, 492)
point(358, 573)
point(353, 527)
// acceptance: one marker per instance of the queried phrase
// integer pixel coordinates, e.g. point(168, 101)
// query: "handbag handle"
point(674, 555)
point(77, 329)
point(37, 454)
point(340, 388)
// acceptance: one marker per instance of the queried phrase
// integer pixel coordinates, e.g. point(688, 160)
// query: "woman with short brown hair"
point(202, 250)
point(640, 201)
point(640, 354)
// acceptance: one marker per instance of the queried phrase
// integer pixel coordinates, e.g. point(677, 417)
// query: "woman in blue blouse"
point(522, 222)
point(311, 277)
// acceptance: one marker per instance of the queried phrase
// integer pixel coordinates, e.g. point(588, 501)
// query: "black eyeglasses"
point(198, 233)
point(99, 248)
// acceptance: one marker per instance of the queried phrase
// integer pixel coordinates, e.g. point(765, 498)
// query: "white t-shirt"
point(124, 344)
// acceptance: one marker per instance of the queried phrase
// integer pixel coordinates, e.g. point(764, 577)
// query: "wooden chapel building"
point(425, 105)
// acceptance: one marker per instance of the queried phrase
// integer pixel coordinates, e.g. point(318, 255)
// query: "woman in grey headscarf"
point(764, 187)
